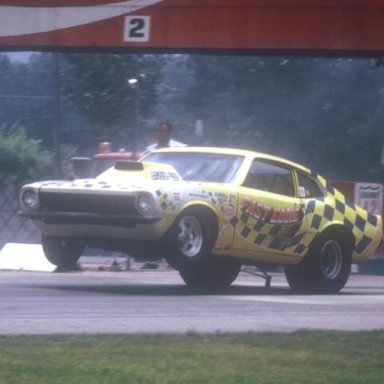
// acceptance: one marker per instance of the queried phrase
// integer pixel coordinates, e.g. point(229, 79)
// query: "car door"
point(269, 221)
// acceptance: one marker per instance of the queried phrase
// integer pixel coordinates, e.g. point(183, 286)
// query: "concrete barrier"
point(24, 257)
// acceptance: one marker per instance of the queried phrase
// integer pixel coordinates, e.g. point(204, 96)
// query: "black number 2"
point(137, 28)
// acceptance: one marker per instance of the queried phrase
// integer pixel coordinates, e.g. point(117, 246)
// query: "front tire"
point(325, 269)
point(62, 251)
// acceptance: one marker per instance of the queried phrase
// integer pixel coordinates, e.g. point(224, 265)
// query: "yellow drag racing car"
point(207, 211)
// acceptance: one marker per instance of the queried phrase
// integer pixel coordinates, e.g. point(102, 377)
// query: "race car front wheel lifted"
point(63, 252)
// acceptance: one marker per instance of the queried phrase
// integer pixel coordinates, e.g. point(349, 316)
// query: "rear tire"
point(324, 270)
point(218, 273)
point(64, 252)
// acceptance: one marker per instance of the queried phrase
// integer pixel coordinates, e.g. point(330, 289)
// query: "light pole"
point(135, 84)
point(56, 134)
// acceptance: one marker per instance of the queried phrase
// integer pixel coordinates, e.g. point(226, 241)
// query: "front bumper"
point(127, 221)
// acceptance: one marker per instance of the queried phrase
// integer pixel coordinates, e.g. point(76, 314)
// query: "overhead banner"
point(333, 25)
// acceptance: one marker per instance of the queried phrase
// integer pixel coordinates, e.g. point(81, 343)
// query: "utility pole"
point(135, 83)
point(56, 132)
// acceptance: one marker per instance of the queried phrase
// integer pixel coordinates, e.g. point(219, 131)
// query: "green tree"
point(97, 102)
point(26, 95)
point(326, 113)
point(21, 158)
point(97, 84)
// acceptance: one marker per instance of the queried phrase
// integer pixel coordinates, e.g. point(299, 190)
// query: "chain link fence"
point(13, 228)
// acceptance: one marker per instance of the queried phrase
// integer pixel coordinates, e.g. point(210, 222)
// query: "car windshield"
point(207, 167)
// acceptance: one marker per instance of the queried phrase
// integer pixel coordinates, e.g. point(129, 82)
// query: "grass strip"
point(278, 358)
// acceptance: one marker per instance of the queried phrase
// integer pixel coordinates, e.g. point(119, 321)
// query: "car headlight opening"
point(30, 199)
point(144, 203)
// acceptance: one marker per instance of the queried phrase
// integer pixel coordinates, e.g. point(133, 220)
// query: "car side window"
point(270, 177)
point(308, 188)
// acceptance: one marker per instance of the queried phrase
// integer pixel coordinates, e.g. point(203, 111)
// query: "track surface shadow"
point(176, 288)
point(181, 290)
point(166, 290)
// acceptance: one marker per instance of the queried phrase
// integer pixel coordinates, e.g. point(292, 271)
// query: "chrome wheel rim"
point(190, 236)
point(331, 259)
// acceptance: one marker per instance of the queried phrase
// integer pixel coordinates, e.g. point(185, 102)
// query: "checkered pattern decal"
point(295, 238)
point(285, 237)
point(361, 222)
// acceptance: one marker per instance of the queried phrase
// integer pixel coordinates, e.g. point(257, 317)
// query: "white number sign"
point(137, 28)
